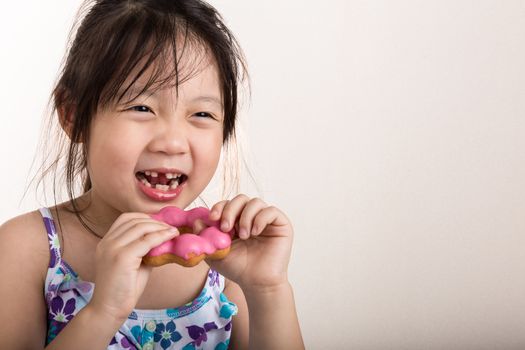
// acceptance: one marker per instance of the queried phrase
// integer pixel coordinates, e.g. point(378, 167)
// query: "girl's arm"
point(120, 280)
point(23, 260)
point(88, 330)
point(258, 264)
point(24, 257)
point(261, 317)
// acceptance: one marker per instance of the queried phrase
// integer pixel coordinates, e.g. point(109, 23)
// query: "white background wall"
point(391, 133)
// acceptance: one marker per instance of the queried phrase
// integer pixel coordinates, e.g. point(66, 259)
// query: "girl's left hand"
point(259, 258)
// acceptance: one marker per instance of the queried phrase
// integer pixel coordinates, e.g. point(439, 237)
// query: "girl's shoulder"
point(24, 239)
point(24, 257)
point(25, 226)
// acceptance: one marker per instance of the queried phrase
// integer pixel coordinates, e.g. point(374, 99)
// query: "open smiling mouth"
point(161, 181)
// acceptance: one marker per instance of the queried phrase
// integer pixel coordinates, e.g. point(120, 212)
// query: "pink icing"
point(208, 241)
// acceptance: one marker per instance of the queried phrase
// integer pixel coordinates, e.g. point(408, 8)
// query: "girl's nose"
point(170, 138)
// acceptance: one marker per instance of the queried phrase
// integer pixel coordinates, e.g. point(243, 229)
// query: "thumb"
point(198, 226)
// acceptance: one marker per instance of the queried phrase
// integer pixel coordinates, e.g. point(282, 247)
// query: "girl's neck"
point(98, 218)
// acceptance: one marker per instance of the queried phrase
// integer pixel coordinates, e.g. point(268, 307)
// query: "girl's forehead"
point(201, 81)
point(194, 67)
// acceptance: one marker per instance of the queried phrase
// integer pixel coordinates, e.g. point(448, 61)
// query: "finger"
point(252, 208)
point(141, 246)
point(124, 222)
point(198, 226)
point(125, 227)
point(232, 211)
point(137, 229)
point(124, 218)
point(216, 210)
point(268, 216)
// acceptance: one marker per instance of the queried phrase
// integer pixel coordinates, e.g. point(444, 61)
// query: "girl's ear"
point(66, 117)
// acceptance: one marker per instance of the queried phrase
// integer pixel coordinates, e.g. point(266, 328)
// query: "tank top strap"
point(52, 237)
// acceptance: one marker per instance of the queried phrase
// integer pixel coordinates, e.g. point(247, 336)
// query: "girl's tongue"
point(159, 179)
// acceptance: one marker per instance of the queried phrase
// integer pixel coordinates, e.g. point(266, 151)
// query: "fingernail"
point(214, 214)
point(225, 225)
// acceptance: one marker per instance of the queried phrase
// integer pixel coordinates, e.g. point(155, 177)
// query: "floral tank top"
point(204, 323)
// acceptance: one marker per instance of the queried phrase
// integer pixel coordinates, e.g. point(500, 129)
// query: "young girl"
point(148, 90)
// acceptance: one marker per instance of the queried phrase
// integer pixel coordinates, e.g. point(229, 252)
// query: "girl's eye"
point(141, 109)
point(203, 114)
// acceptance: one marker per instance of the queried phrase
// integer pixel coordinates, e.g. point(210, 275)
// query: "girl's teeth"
point(173, 178)
point(162, 187)
point(169, 176)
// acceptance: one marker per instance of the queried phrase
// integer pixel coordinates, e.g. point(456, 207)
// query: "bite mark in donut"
point(189, 249)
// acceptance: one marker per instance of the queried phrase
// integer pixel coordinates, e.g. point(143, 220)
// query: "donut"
point(188, 249)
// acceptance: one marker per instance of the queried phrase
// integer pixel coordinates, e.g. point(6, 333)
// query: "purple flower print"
point(60, 312)
point(124, 342)
point(59, 315)
point(214, 278)
point(198, 334)
point(166, 334)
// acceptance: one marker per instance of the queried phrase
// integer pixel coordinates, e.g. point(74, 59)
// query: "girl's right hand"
point(120, 275)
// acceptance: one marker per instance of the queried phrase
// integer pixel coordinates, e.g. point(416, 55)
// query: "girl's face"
point(162, 132)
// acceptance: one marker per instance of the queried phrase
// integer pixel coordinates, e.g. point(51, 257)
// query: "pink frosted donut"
point(188, 249)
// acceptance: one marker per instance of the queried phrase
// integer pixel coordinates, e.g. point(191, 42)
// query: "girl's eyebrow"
point(136, 91)
point(207, 98)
